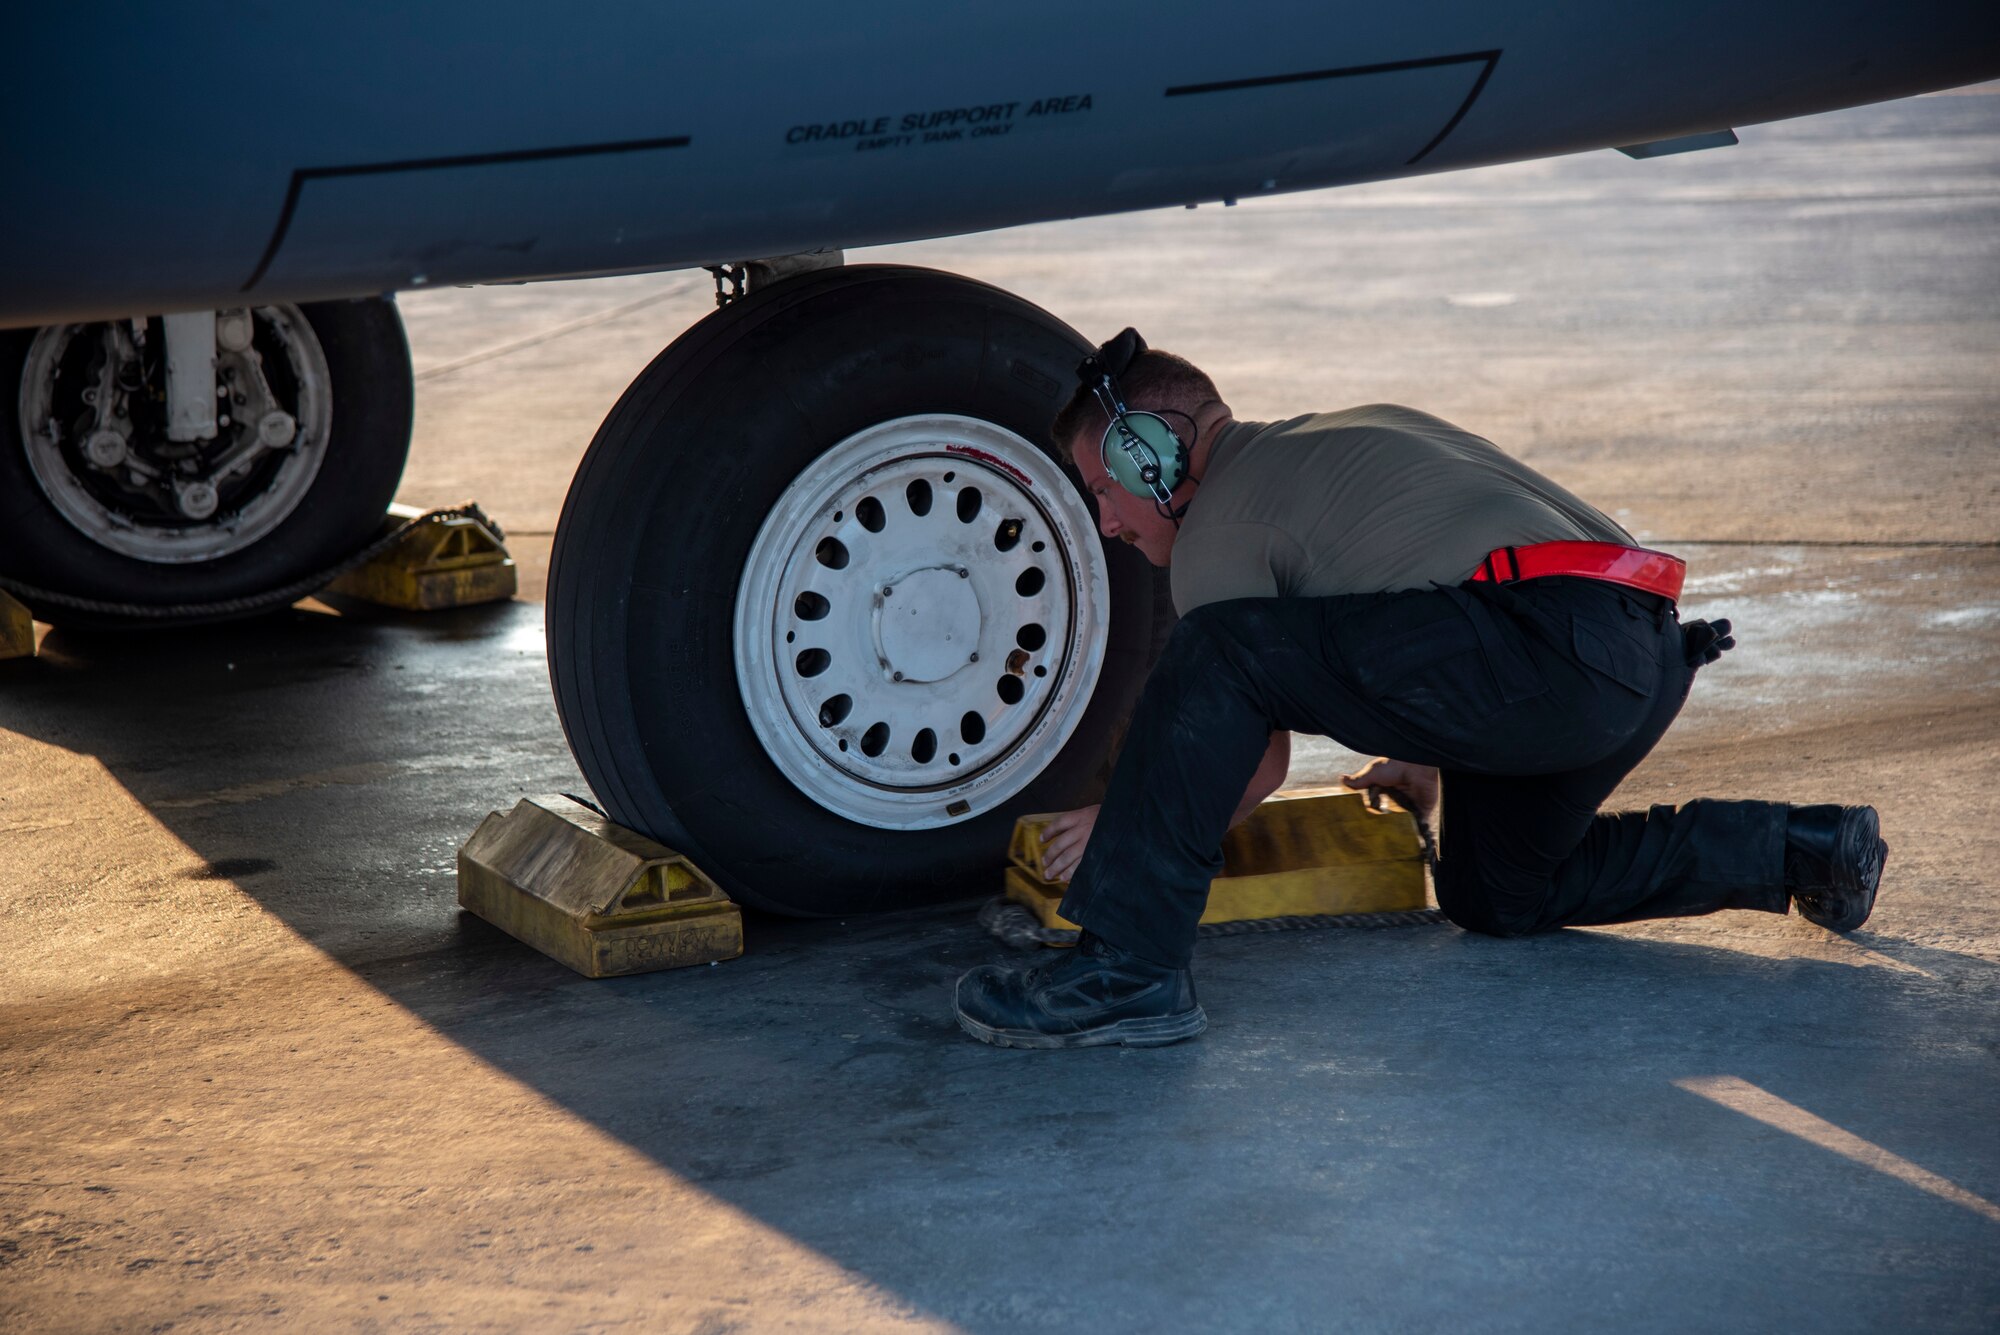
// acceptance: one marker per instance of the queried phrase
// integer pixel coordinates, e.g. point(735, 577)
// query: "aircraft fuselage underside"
point(199, 157)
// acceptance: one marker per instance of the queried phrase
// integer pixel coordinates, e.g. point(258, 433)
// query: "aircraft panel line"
point(300, 175)
point(1492, 59)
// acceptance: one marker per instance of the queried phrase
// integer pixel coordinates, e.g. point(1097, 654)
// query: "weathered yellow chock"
point(602, 899)
point(17, 628)
point(1305, 851)
point(446, 562)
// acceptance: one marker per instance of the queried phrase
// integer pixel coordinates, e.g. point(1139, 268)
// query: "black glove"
point(1705, 641)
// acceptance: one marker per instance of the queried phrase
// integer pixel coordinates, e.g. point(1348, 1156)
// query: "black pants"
point(1534, 699)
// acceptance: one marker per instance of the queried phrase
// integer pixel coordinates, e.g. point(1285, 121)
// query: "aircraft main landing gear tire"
point(825, 611)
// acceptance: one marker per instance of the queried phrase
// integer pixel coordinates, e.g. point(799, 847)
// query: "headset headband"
point(1118, 355)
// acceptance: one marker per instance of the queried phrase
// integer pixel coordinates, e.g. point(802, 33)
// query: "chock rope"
point(283, 595)
point(1015, 925)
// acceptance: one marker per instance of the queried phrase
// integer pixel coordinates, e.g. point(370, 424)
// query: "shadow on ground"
point(1381, 1129)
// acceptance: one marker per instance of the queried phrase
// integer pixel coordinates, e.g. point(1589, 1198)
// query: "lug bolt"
point(275, 430)
point(197, 500)
point(106, 449)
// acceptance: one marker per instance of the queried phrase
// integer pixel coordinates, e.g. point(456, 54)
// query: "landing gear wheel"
point(825, 612)
point(313, 411)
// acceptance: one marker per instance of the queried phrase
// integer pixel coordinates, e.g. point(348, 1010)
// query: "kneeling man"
point(1386, 579)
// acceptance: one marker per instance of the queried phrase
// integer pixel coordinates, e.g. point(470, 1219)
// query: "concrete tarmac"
point(259, 1073)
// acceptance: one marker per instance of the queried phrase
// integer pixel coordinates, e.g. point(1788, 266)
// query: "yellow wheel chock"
point(596, 896)
point(443, 562)
point(17, 628)
point(1305, 852)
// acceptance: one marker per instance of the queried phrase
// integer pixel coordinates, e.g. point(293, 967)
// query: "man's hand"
point(1415, 786)
point(1063, 841)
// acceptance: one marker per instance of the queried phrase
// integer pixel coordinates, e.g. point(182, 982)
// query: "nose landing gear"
point(179, 460)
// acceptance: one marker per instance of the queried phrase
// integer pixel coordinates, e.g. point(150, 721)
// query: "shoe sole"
point(1861, 856)
point(1147, 1032)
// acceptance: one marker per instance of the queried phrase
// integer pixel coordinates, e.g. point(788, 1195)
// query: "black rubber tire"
point(657, 529)
point(368, 362)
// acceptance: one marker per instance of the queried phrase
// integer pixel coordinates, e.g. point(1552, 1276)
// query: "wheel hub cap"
point(927, 624)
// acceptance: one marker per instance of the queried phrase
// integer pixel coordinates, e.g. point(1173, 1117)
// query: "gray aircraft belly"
point(209, 154)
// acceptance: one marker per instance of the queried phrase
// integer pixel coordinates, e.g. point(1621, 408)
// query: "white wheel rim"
point(246, 519)
point(842, 682)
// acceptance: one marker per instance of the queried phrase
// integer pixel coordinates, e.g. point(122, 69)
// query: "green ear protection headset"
point(1140, 451)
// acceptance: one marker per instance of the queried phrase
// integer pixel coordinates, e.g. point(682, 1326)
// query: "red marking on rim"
point(988, 457)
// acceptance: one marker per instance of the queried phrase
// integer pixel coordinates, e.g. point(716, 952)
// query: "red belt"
point(1635, 567)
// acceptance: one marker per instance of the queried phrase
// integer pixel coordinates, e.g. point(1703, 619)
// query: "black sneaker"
point(1096, 994)
point(1833, 863)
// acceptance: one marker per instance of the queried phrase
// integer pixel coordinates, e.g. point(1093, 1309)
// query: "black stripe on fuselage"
point(301, 175)
point(1489, 58)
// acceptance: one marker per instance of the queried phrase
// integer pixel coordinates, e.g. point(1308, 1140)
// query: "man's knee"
point(1199, 642)
point(1238, 631)
point(1211, 623)
point(1191, 633)
point(1474, 903)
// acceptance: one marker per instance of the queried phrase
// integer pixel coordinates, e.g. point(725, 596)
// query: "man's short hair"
point(1158, 382)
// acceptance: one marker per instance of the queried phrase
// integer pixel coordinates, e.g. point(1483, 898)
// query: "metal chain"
point(736, 275)
point(1015, 925)
point(1305, 922)
point(281, 596)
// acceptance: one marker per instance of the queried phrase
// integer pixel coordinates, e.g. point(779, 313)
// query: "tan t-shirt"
point(1367, 500)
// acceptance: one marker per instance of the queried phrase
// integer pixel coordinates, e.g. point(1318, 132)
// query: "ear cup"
point(1159, 447)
